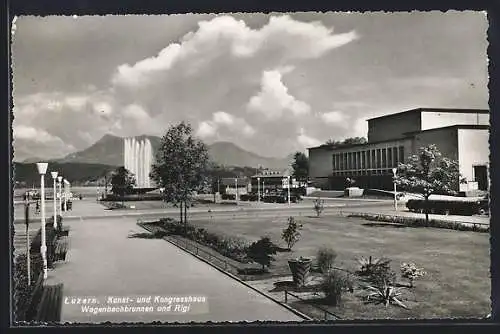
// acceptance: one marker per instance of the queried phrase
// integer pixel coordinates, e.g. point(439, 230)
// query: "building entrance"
point(481, 177)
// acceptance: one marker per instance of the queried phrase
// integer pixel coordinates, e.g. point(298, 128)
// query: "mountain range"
point(109, 151)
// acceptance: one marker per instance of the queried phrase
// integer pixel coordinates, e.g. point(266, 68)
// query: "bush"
point(50, 220)
point(291, 234)
point(23, 292)
point(50, 235)
point(411, 272)
point(261, 252)
point(378, 271)
point(325, 258)
point(114, 205)
point(334, 284)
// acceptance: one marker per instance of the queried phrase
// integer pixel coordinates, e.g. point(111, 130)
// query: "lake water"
point(84, 191)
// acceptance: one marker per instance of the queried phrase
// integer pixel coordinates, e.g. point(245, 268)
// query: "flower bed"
point(231, 247)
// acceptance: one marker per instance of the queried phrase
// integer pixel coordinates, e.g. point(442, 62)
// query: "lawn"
point(457, 263)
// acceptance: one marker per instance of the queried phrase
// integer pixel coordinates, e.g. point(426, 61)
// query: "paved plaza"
point(103, 261)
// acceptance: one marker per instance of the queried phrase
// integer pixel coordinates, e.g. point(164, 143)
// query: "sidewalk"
point(103, 262)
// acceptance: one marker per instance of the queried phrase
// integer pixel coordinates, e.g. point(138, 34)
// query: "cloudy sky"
point(271, 84)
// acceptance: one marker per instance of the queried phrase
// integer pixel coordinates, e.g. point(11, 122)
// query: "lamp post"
point(288, 180)
point(42, 169)
point(66, 184)
point(27, 218)
point(258, 189)
point(236, 189)
point(394, 171)
point(59, 180)
point(54, 177)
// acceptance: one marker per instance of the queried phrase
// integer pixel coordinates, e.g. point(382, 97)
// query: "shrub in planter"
point(325, 258)
point(301, 269)
point(334, 284)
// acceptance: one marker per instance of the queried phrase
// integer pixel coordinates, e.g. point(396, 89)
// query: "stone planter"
point(301, 269)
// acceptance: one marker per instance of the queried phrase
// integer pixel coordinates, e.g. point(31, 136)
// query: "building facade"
point(269, 181)
point(460, 134)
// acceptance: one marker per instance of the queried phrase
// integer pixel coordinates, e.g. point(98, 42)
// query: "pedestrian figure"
point(37, 210)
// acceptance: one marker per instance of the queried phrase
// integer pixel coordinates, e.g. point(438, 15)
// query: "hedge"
point(23, 292)
point(421, 222)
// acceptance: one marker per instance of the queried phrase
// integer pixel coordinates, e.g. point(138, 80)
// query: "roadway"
point(91, 209)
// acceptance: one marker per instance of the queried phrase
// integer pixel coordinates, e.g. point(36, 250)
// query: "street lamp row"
point(42, 170)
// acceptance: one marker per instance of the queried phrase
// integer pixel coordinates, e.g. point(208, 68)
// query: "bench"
point(51, 254)
point(35, 298)
point(61, 249)
point(64, 231)
point(49, 308)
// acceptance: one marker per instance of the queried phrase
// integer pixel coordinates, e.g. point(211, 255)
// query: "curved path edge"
point(296, 312)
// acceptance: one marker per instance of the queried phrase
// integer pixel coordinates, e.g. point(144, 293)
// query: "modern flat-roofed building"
point(460, 134)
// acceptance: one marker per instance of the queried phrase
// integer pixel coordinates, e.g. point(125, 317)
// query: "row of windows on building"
point(367, 162)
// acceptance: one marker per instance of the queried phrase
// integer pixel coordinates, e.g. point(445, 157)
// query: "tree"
point(122, 181)
point(319, 206)
point(300, 167)
point(261, 252)
point(346, 142)
point(291, 234)
point(427, 173)
point(181, 166)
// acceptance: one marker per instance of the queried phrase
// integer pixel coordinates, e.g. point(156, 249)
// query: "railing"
point(194, 247)
point(326, 314)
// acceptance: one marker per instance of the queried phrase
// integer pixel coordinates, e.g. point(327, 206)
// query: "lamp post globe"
point(42, 169)
point(54, 177)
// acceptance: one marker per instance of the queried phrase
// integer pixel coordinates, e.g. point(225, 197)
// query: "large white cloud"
point(223, 122)
point(287, 38)
point(270, 86)
point(273, 99)
point(334, 117)
point(307, 141)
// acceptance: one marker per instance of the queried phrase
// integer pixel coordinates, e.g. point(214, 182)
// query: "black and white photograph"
point(243, 167)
